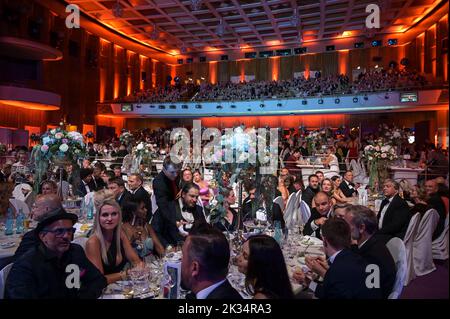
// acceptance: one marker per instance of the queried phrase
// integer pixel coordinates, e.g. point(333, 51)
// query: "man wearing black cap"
point(55, 269)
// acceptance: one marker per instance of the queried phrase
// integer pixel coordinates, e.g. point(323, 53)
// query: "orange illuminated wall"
point(173, 72)
point(142, 64)
point(213, 72)
point(343, 61)
point(275, 68)
point(116, 122)
point(294, 121)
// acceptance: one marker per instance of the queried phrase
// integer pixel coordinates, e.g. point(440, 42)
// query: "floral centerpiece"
point(142, 152)
point(57, 147)
point(379, 154)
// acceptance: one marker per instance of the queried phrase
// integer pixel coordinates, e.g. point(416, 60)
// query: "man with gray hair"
point(394, 215)
point(44, 205)
point(363, 225)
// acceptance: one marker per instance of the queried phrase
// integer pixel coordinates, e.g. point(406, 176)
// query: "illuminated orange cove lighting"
point(30, 105)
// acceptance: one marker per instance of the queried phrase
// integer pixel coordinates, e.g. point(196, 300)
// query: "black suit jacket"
point(396, 219)
point(142, 195)
point(308, 230)
point(374, 251)
point(164, 194)
point(165, 227)
point(98, 184)
point(81, 189)
point(126, 196)
point(348, 192)
point(436, 202)
point(346, 279)
point(29, 241)
point(224, 291)
point(308, 195)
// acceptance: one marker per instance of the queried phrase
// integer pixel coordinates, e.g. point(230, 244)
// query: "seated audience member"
point(5, 172)
point(298, 183)
point(204, 265)
point(311, 191)
point(419, 198)
point(319, 215)
point(117, 169)
point(292, 161)
point(121, 194)
point(41, 273)
point(248, 202)
point(363, 225)
point(205, 192)
point(97, 181)
point(140, 234)
point(85, 185)
point(339, 210)
point(344, 276)
point(186, 177)
point(394, 215)
point(338, 195)
point(443, 192)
point(135, 182)
point(347, 186)
point(320, 176)
point(44, 205)
point(262, 262)
point(48, 187)
point(184, 215)
point(232, 221)
point(108, 248)
point(106, 176)
point(327, 188)
point(435, 201)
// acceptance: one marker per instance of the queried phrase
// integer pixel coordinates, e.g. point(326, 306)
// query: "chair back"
point(408, 241)
point(398, 251)
point(440, 244)
point(305, 212)
point(3, 275)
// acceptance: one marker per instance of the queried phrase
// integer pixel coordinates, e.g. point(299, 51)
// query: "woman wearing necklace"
point(140, 233)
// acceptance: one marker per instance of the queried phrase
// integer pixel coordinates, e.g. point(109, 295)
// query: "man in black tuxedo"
point(184, 215)
point(5, 172)
point(435, 201)
point(311, 191)
point(135, 182)
point(363, 224)
point(85, 185)
point(319, 215)
point(165, 184)
point(97, 180)
point(204, 265)
point(247, 204)
point(344, 273)
point(394, 215)
point(347, 186)
point(121, 194)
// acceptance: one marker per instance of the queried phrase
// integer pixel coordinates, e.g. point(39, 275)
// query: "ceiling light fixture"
point(220, 28)
point(295, 19)
point(196, 5)
point(154, 35)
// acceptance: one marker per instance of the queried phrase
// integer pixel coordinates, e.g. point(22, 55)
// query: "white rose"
point(140, 146)
point(213, 202)
point(63, 148)
point(385, 148)
point(53, 131)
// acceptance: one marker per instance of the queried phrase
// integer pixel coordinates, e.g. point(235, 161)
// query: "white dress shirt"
point(203, 294)
point(380, 222)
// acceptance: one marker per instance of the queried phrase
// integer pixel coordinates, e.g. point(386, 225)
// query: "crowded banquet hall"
point(224, 149)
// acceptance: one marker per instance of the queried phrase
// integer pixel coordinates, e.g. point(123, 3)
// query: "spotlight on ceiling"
point(355, 100)
point(320, 101)
point(154, 35)
point(220, 30)
point(196, 5)
point(337, 101)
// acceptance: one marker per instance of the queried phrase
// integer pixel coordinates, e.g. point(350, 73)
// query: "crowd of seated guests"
point(369, 81)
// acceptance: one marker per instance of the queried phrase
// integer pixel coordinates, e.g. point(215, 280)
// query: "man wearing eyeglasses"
point(43, 272)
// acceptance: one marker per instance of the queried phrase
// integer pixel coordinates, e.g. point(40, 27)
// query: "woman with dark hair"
point(140, 233)
point(263, 264)
point(231, 222)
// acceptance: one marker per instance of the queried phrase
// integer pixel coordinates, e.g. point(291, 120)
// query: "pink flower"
point(65, 140)
point(44, 148)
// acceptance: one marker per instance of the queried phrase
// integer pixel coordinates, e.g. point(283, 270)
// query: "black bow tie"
point(385, 202)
